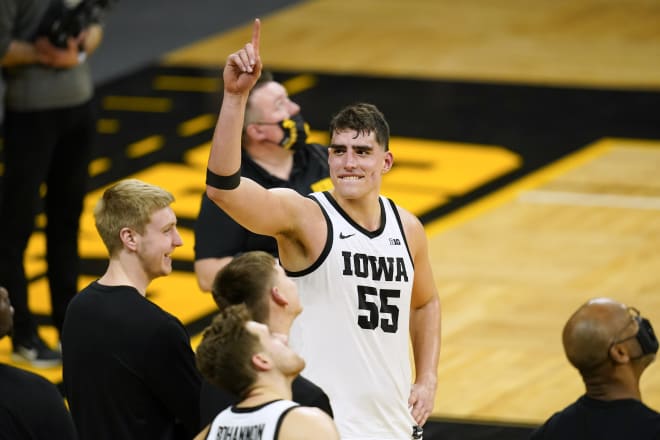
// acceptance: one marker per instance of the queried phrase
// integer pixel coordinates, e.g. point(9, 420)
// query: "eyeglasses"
point(634, 317)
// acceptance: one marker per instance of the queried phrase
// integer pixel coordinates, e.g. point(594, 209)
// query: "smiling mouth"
point(350, 178)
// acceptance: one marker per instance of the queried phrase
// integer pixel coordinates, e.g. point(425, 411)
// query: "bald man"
point(611, 345)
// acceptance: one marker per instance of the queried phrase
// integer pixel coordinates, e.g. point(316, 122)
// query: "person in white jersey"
point(246, 359)
point(360, 261)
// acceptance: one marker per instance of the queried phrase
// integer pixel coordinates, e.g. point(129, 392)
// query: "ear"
point(127, 236)
point(261, 361)
point(255, 132)
point(619, 354)
point(387, 162)
point(279, 299)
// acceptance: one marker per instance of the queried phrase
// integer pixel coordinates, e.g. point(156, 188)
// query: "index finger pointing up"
point(256, 34)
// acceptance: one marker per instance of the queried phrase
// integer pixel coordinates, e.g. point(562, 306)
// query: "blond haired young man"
point(129, 370)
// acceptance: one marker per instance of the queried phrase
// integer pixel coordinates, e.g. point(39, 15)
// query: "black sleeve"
point(308, 393)
point(216, 234)
point(37, 410)
point(213, 400)
point(56, 421)
point(172, 373)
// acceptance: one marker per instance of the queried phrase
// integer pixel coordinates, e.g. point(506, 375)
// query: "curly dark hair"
point(364, 118)
point(224, 357)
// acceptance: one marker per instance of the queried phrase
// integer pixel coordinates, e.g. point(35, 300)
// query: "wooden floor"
point(513, 265)
point(580, 42)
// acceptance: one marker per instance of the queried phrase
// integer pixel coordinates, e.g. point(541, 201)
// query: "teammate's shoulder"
point(304, 422)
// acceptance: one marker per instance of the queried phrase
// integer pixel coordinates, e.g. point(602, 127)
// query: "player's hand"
point(243, 67)
point(421, 400)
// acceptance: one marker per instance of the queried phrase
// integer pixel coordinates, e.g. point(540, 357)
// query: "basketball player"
point(360, 261)
point(246, 359)
point(256, 279)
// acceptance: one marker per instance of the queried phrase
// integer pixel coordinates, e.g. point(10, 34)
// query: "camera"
point(62, 22)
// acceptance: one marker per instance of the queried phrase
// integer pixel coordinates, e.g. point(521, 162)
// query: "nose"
point(292, 108)
point(350, 160)
point(178, 241)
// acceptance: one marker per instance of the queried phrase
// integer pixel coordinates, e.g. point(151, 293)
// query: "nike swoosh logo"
point(342, 236)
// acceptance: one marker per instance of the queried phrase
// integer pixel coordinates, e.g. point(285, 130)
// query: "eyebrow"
point(168, 225)
point(355, 147)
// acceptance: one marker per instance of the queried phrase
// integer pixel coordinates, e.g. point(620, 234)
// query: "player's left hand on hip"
point(421, 401)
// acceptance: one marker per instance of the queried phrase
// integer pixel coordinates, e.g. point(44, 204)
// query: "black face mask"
point(645, 336)
point(296, 131)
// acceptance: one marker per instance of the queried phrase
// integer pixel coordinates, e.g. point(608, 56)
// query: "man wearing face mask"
point(275, 154)
point(610, 345)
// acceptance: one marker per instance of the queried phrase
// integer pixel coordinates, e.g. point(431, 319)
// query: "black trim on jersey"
point(249, 409)
point(370, 234)
point(403, 231)
point(326, 249)
point(276, 434)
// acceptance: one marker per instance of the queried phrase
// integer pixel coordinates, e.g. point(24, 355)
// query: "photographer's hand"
point(53, 56)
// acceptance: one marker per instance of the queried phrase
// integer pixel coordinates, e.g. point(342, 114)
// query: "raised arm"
point(278, 212)
point(241, 72)
point(424, 323)
point(241, 198)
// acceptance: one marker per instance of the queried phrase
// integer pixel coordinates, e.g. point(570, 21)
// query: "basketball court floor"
point(527, 139)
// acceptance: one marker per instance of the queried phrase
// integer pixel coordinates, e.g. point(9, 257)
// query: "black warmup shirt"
point(31, 408)
point(129, 371)
point(592, 419)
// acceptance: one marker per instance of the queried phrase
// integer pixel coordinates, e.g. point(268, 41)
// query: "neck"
point(263, 392)
point(612, 388)
point(273, 158)
point(365, 211)
point(280, 322)
point(125, 271)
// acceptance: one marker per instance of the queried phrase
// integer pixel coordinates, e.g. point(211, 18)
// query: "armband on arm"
point(223, 182)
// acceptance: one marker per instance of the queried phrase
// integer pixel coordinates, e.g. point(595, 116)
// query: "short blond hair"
point(127, 204)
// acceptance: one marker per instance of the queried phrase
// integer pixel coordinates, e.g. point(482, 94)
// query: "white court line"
point(586, 199)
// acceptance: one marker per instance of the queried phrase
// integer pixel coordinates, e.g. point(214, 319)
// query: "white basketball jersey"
point(257, 423)
point(353, 331)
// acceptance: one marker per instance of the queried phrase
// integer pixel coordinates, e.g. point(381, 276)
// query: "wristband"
point(223, 182)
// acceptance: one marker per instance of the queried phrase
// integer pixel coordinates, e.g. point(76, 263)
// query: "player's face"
point(275, 346)
point(287, 287)
point(357, 163)
point(156, 244)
